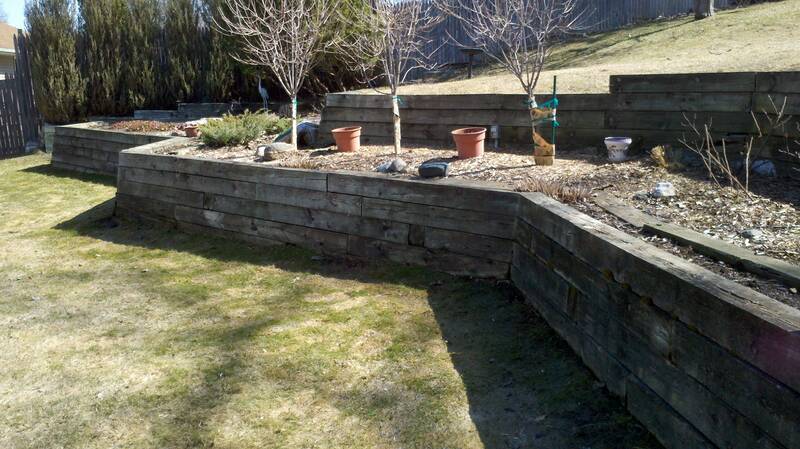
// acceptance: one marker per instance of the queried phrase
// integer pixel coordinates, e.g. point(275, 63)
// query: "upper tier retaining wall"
point(702, 361)
point(83, 148)
point(649, 108)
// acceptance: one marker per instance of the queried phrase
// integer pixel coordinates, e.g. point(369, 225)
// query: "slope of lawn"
point(764, 37)
point(125, 335)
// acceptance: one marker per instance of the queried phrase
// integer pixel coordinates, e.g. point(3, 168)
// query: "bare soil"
point(772, 207)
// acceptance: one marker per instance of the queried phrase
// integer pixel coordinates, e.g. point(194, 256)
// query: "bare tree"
point(390, 42)
point(703, 9)
point(519, 35)
point(283, 36)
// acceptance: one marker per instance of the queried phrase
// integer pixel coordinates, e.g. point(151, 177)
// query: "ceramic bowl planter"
point(190, 130)
point(469, 142)
point(618, 148)
point(347, 139)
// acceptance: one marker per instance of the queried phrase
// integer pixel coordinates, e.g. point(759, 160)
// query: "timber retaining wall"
point(85, 148)
point(701, 361)
point(653, 109)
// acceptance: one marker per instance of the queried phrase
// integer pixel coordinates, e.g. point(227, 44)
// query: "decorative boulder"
point(393, 166)
point(271, 151)
point(434, 169)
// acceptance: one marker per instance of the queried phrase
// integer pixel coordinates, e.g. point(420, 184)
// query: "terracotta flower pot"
point(469, 142)
point(347, 139)
point(191, 131)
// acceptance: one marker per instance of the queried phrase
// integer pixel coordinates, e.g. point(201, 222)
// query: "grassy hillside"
point(764, 37)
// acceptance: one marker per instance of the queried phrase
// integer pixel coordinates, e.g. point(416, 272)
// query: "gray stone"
point(752, 234)
point(764, 168)
point(641, 195)
point(271, 151)
point(393, 166)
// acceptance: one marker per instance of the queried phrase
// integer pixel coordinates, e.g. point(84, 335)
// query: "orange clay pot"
point(191, 131)
point(469, 142)
point(347, 139)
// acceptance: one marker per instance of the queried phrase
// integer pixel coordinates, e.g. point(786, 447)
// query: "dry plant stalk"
point(795, 154)
point(517, 34)
point(394, 38)
point(715, 159)
point(283, 36)
point(555, 189)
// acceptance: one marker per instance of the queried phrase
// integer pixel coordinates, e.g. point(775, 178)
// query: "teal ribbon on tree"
point(400, 101)
point(552, 103)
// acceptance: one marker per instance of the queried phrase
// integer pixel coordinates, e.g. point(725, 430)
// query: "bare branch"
point(390, 40)
point(517, 34)
point(283, 36)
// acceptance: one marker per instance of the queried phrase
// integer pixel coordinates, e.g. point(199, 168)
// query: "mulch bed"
point(773, 207)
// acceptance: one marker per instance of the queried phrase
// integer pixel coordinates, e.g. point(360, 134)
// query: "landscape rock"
point(271, 151)
point(393, 166)
point(764, 168)
point(306, 134)
point(664, 189)
point(752, 234)
point(641, 195)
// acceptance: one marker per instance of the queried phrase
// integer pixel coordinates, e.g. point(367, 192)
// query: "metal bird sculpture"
point(264, 95)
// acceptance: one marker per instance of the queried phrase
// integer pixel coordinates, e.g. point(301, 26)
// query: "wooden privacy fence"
point(19, 119)
point(651, 108)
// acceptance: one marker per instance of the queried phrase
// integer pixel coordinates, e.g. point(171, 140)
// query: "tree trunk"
point(703, 9)
point(294, 122)
point(396, 123)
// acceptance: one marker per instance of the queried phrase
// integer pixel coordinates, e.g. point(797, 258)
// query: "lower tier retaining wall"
point(701, 361)
point(81, 147)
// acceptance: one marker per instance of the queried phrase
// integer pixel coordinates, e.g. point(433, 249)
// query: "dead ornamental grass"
point(136, 336)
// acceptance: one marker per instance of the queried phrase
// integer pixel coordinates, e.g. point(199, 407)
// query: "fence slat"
point(19, 118)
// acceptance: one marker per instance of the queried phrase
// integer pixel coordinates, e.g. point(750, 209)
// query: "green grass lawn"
point(761, 38)
point(126, 335)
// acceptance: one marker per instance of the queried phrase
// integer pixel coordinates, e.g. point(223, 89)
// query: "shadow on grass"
point(49, 170)
point(524, 386)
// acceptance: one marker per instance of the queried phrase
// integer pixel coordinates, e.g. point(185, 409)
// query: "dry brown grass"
point(556, 189)
point(758, 38)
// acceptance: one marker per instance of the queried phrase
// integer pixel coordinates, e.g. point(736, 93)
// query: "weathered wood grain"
point(160, 193)
point(509, 102)
point(731, 254)
point(319, 219)
point(684, 82)
point(782, 82)
point(468, 244)
point(236, 171)
point(758, 329)
point(491, 224)
point(430, 193)
point(682, 102)
point(322, 241)
point(639, 336)
point(439, 260)
point(185, 181)
point(447, 118)
point(309, 199)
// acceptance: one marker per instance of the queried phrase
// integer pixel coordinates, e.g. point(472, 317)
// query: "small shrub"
point(241, 129)
point(555, 189)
